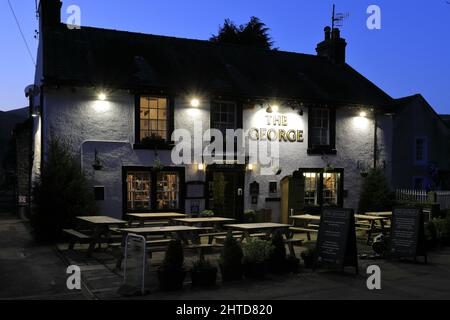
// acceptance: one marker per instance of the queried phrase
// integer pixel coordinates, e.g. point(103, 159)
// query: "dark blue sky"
point(410, 54)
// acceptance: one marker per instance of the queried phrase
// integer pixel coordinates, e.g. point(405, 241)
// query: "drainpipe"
point(99, 141)
point(375, 141)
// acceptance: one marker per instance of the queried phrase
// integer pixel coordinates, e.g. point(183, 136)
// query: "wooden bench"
point(76, 236)
point(240, 235)
point(308, 231)
point(211, 235)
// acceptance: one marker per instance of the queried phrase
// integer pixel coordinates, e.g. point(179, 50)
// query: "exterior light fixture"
point(201, 167)
point(363, 114)
point(195, 103)
point(269, 109)
point(250, 167)
point(102, 96)
point(275, 108)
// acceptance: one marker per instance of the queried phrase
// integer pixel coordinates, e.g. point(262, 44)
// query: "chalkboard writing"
point(407, 236)
point(336, 242)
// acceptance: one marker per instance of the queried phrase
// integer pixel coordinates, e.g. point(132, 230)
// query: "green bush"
point(257, 250)
point(231, 254)
point(174, 257)
point(442, 229)
point(61, 194)
point(376, 194)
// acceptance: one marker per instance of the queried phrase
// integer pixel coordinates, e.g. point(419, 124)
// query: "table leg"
point(94, 240)
point(369, 236)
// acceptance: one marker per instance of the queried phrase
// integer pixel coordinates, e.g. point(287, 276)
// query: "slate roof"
point(100, 57)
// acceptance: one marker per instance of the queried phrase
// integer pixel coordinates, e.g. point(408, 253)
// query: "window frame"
point(424, 160)
point(153, 189)
point(167, 144)
point(320, 186)
point(330, 148)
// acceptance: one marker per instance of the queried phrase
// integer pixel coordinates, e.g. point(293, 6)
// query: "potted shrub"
point(249, 216)
point(309, 257)
point(231, 259)
point(207, 214)
point(277, 259)
point(171, 274)
point(256, 254)
point(203, 274)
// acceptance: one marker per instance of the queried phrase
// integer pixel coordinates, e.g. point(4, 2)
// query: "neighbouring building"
point(118, 96)
point(421, 149)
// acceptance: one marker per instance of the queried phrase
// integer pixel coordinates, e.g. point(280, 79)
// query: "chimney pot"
point(327, 33)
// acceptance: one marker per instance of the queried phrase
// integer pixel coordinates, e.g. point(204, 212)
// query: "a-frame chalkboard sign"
point(336, 242)
point(408, 234)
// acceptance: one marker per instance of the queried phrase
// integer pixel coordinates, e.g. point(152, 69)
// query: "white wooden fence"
point(421, 196)
point(443, 198)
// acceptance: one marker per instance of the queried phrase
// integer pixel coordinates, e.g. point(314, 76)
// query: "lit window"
point(168, 191)
point(138, 191)
point(311, 187)
point(330, 189)
point(153, 118)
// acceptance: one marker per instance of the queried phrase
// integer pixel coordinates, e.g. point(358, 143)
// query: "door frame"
point(240, 171)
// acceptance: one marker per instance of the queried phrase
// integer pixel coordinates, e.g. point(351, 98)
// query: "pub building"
point(118, 96)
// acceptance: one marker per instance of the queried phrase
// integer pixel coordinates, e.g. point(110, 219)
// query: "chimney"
point(333, 47)
point(49, 14)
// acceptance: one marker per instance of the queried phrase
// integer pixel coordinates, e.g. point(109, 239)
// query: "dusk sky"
point(410, 54)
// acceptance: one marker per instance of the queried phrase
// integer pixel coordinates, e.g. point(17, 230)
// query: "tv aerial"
point(338, 18)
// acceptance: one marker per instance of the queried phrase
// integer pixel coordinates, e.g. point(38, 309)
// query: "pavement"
point(29, 271)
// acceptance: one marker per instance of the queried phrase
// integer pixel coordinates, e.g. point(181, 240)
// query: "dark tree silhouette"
point(255, 33)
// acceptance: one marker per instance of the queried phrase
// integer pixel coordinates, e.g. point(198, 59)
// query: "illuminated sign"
point(278, 130)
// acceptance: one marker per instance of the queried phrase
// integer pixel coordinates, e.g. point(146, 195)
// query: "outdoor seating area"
point(205, 241)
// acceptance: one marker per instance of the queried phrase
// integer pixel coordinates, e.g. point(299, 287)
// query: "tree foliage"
point(60, 194)
point(255, 33)
point(376, 194)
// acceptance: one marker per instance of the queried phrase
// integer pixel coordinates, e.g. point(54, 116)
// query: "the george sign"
point(407, 234)
point(277, 130)
point(336, 242)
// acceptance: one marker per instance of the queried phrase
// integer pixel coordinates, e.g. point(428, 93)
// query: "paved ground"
point(27, 270)
point(36, 272)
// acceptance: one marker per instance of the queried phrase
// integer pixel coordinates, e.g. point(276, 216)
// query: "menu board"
point(407, 235)
point(336, 242)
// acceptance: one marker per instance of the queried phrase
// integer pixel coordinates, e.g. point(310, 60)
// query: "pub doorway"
point(225, 190)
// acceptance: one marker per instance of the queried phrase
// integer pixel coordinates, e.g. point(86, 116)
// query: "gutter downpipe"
point(375, 142)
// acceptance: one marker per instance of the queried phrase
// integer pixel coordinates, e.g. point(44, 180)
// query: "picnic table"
point(308, 228)
point(268, 228)
point(100, 226)
point(180, 231)
point(380, 214)
point(157, 216)
point(372, 220)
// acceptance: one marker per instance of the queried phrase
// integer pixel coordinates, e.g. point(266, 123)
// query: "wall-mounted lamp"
point(195, 103)
point(201, 167)
point(363, 114)
point(250, 167)
point(102, 96)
